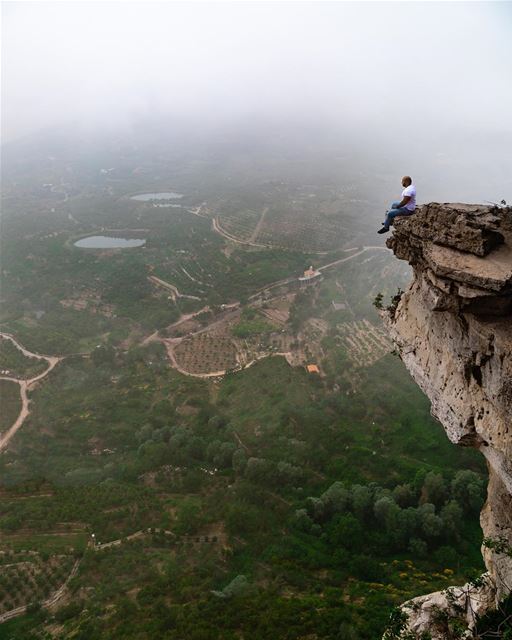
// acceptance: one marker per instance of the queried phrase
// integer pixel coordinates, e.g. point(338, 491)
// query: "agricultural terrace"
point(277, 310)
point(251, 323)
point(364, 342)
point(237, 340)
point(203, 354)
point(27, 577)
point(311, 232)
point(302, 231)
point(241, 224)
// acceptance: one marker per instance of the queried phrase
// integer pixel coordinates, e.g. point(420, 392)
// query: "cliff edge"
point(453, 330)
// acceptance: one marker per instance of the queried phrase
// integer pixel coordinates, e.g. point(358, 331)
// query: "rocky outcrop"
point(432, 613)
point(453, 330)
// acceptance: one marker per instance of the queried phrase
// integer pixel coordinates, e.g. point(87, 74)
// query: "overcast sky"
point(406, 66)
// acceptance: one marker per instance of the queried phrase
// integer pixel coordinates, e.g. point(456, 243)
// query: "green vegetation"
point(171, 455)
point(10, 403)
point(268, 503)
point(16, 363)
point(28, 578)
point(497, 623)
point(423, 517)
point(251, 324)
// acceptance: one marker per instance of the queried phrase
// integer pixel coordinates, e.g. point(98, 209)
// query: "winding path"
point(218, 229)
point(175, 293)
point(352, 255)
point(25, 386)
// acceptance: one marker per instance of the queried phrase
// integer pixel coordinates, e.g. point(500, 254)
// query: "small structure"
point(312, 368)
point(339, 306)
point(310, 276)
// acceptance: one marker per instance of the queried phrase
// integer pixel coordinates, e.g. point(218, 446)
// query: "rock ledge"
point(453, 330)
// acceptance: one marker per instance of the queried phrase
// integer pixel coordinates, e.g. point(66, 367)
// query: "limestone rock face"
point(453, 330)
point(466, 227)
point(426, 613)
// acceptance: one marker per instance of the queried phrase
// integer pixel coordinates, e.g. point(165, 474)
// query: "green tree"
point(346, 531)
point(336, 499)
point(239, 460)
point(452, 516)
point(239, 586)
point(302, 521)
point(467, 490)
point(386, 513)
point(257, 470)
point(434, 489)
point(362, 501)
point(431, 524)
point(403, 495)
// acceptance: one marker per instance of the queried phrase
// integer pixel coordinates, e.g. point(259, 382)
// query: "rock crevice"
point(453, 330)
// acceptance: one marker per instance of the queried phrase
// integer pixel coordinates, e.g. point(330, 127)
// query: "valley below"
point(205, 432)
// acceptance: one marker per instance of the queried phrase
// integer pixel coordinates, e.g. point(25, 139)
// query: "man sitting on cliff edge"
point(403, 208)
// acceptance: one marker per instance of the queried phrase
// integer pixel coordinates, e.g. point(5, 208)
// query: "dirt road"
point(257, 228)
point(352, 255)
point(175, 293)
point(197, 212)
point(25, 386)
point(218, 229)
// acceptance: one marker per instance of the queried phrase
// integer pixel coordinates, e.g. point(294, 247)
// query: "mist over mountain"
point(409, 87)
point(205, 431)
point(402, 67)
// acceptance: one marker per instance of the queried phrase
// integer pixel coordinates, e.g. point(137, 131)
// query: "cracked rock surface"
point(453, 330)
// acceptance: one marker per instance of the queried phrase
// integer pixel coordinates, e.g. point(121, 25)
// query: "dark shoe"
point(383, 230)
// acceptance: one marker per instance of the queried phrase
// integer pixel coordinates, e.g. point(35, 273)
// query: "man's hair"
point(408, 179)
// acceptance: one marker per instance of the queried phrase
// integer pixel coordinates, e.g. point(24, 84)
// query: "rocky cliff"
point(453, 330)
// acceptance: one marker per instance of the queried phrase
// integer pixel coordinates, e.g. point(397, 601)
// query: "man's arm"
point(405, 200)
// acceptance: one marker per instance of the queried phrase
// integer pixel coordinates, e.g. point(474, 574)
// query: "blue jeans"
point(394, 212)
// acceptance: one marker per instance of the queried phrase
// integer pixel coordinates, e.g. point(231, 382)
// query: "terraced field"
point(241, 224)
point(27, 577)
point(301, 231)
point(299, 227)
point(203, 353)
point(365, 343)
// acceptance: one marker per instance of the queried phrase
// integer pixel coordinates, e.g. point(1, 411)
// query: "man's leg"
point(394, 205)
point(392, 214)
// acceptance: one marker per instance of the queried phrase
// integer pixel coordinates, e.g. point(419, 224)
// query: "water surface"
point(164, 195)
point(107, 242)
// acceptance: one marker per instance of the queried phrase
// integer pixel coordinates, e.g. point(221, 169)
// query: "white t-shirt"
point(410, 191)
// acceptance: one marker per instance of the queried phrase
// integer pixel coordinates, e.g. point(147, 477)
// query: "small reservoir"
point(164, 195)
point(108, 242)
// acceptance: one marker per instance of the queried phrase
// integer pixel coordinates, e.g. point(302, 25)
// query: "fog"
point(414, 82)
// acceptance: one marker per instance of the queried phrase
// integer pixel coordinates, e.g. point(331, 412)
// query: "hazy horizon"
point(420, 86)
point(443, 64)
